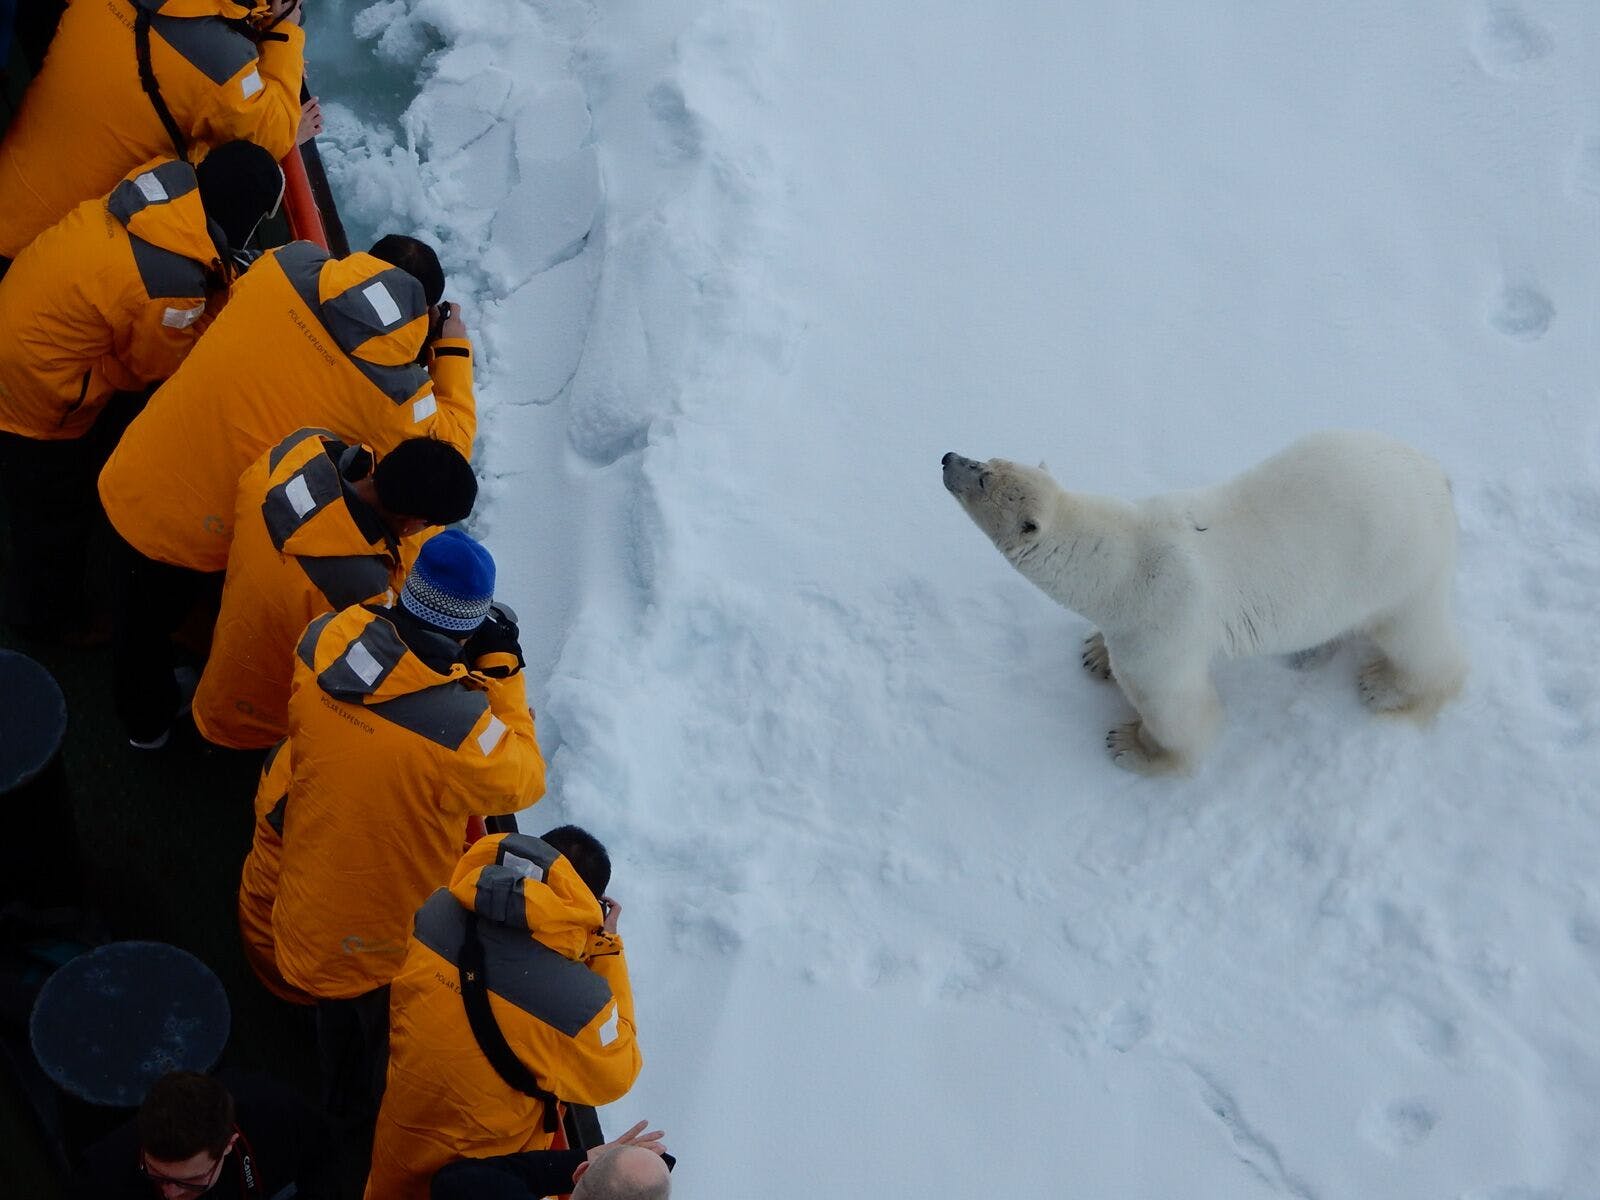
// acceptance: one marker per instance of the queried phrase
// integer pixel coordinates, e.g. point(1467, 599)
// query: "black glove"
point(493, 648)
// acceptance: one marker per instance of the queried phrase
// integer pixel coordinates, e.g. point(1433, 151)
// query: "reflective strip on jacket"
point(86, 120)
point(305, 341)
point(258, 882)
point(300, 549)
point(558, 988)
point(111, 299)
point(390, 758)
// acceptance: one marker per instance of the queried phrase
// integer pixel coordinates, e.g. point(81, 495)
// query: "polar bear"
point(1343, 533)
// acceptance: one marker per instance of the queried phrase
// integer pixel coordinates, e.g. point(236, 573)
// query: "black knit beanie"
point(239, 184)
point(425, 478)
point(416, 259)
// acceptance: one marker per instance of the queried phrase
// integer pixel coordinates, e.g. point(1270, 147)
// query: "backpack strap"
point(147, 80)
point(486, 1030)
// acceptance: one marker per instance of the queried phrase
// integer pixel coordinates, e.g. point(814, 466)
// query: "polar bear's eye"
point(1030, 527)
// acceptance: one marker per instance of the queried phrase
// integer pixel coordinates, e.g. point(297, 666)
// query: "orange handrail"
point(305, 219)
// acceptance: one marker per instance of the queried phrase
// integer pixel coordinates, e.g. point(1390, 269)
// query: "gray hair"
point(615, 1176)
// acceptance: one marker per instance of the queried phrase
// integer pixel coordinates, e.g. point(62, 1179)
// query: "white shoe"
point(187, 679)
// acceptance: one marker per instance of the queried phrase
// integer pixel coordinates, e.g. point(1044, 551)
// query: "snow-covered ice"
point(741, 272)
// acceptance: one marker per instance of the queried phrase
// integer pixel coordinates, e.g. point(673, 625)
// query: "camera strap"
point(486, 1030)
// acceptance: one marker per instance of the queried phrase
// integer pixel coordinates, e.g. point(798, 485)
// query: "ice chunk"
point(457, 114)
point(551, 125)
point(537, 333)
point(547, 216)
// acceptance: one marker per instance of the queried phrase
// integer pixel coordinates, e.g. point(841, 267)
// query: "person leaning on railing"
point(126, 81)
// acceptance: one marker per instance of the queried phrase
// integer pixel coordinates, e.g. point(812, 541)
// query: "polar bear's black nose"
point(948, 455)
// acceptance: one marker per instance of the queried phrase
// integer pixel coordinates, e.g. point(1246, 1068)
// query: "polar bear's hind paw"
point(1132, 752)
point(1381, 689)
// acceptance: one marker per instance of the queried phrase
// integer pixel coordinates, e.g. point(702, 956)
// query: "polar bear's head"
point(1008, 501)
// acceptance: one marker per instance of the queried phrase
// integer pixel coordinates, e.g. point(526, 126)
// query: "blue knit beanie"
point(451, 584)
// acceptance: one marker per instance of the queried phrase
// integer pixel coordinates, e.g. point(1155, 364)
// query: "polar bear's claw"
point(1096, 658)
point(1131, 751)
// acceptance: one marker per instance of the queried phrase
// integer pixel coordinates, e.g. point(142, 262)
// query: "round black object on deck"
point(33, 720)
point(111, 1022)
point(39, 852)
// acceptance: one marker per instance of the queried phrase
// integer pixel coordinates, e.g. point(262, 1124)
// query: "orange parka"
point(109, 300)
point(86, 119)
point(558, 988)
point(304, 544)
point(305, 341)
point(390, 757)
point(258, 882)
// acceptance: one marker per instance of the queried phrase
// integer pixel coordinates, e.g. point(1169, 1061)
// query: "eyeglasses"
point(191, 1183)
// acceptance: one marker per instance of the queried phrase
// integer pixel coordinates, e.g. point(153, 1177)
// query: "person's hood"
point(360, 658)
point(159, 203)
point(399, 296)
point(333, 529)
point(522, 882)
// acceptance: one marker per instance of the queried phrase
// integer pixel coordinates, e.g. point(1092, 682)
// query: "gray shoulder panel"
point(307, 650)
point(275, 456)
point(398, 383)
point(445, 714)
point(275, 817)
point(208, 44)
point(301, 263)
point(346, 579)
point(563, 994)
point(365, 664)
point(302, 496)
point(166, 274)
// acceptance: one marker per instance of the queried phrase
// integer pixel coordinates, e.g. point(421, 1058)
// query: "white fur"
point(1343, 533)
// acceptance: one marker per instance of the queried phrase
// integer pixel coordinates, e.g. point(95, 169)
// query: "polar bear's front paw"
point(1132, 751)
point(1096, 658)
point(1381, 690)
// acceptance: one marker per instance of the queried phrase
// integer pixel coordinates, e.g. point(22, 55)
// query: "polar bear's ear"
point(1044, 466)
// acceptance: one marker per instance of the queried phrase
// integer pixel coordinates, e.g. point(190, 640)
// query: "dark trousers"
point(353, 1051)
point(150, 600)
point(53, 513)
point(48, 489)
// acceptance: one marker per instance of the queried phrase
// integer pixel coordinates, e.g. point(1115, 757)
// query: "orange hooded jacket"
point(305, 341)
point(258, 882)
point(304, 544)
point(390, 758)
point(86, 119)
point(558, 988)
point(111, 299)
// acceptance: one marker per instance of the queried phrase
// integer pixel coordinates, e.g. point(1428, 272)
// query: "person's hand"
point(636, 1136)
point(613, 911)
point(310, 121)
point(453, 326)
point(494, 648)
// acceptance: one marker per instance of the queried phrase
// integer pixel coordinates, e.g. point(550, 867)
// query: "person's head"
point(623, 1173)
point(186, 1128)
point(416, 259)
point(451, 585)
point(240, 183)
point(423, 482)
point(587, 856)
